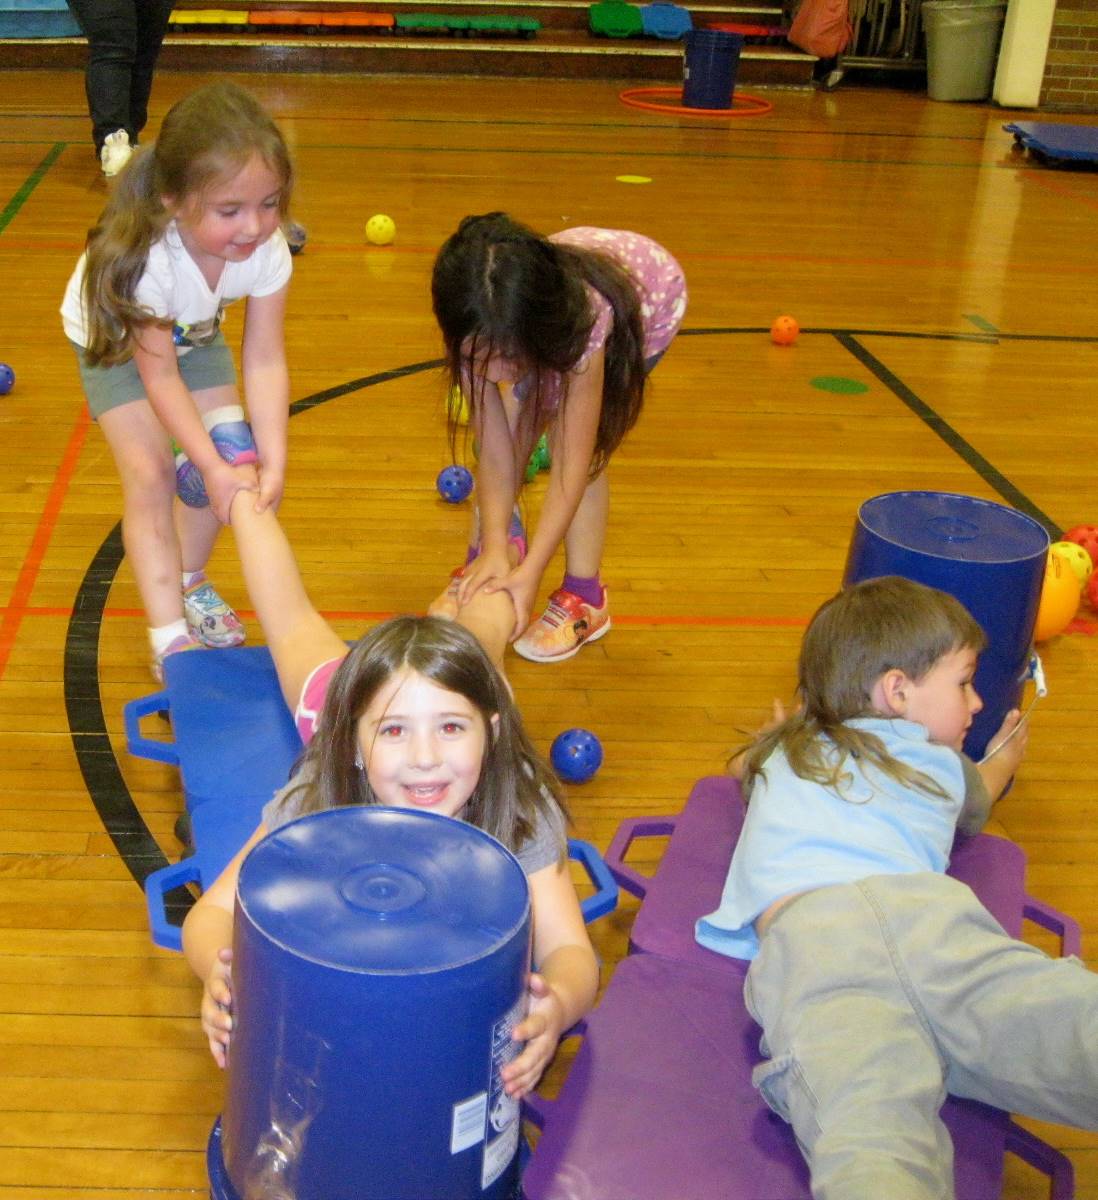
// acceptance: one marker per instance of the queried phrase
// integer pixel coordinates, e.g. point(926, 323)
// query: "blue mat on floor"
point(1056, 144)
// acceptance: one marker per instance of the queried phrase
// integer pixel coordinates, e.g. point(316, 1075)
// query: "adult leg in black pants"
point(124, 39)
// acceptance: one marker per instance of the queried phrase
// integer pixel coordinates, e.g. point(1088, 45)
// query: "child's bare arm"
point(565, 981)
point(300, 639)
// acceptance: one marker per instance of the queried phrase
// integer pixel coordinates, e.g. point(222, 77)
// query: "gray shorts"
point(111, 387)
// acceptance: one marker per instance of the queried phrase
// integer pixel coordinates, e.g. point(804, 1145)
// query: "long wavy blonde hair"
point(206, 139)
point(854, 638)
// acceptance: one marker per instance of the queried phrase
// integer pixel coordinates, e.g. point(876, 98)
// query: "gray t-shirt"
point(540, 851)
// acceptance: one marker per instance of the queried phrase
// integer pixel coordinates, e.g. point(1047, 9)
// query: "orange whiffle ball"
point(784, 331)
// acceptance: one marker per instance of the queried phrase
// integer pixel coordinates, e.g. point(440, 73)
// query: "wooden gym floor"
point(923, 258)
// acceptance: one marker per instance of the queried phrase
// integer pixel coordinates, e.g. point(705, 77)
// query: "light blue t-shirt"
point(799, 835)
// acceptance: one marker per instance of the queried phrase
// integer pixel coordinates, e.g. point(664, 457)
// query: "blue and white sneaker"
point(209, 618)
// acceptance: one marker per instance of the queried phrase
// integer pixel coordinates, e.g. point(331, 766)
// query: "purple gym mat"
point(658, 1104)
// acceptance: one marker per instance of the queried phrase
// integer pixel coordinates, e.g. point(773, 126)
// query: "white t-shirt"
point(174, 289)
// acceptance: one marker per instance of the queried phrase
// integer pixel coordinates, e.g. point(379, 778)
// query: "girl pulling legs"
point(553, 333)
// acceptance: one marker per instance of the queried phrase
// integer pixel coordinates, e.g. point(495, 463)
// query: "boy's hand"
point(217, 1004)
point(1008, 744)
point(541, 1032)
point(777, 716)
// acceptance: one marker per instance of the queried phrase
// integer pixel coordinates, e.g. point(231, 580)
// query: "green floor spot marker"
point(980, 322)
point(836, 383)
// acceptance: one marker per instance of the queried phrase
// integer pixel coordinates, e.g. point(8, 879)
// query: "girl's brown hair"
point(207, 138)
point(499, 287)
point(515, 787)
point(854, 638)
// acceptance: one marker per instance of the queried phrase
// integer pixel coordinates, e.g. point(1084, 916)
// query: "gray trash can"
point(962, 43)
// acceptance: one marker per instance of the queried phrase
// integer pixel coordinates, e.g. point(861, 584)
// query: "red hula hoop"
point(748, 106)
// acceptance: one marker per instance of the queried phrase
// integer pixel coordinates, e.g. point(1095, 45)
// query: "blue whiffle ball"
point(576, 755)
point(454, 484)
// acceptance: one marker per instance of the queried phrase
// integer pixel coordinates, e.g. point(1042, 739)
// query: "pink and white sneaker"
point(567, 624)
point(185, 641)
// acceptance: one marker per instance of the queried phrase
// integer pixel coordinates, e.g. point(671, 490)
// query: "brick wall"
point(1071, 69)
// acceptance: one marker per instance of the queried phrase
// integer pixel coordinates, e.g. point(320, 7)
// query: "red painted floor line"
point(1082, 625)
point(28, 573)
point(633, 620)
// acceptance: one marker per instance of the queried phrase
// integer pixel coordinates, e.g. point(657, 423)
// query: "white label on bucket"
point(498, 1155)
point(467, 1124)
point(503, 1110)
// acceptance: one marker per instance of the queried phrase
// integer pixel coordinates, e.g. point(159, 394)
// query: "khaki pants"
point(879, 997)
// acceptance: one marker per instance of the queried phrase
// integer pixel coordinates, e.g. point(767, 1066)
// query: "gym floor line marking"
point(983, 467)
point(299, 117)
point(637, 620)
point(421, 151)
point(40, 540)
point(980, 322)
point(32, 243)
point(32, 181)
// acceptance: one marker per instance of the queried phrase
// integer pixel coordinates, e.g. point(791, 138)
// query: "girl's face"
point(944, 700)
point(233, 219)
point(423, 746)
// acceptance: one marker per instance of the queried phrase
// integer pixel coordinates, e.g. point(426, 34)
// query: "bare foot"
point(445, 604)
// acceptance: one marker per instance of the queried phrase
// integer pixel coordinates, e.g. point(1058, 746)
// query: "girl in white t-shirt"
point(192, 225)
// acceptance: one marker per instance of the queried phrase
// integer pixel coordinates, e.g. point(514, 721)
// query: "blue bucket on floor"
point(711, 58)
point(990, 557)
point(379, 966)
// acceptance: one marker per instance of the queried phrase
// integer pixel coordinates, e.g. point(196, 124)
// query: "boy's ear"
point(890, 692)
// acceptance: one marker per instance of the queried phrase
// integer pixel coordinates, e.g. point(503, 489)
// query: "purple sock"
point(587, 588)
point(471, 553)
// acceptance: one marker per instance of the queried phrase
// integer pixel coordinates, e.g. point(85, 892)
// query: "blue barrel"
point(990, 557)
point(379, 967)
point(711, 58)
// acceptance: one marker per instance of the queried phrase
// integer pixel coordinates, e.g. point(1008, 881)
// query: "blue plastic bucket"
point(711, 58)
point(379, 965)
point(990, 557)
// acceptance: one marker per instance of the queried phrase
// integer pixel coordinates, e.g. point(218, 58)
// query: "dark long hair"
point(499, 287)
point(515, 785)
point(205, 139)
point(854, 638)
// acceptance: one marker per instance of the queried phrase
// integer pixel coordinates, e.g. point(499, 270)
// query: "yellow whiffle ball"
point(380, 229)
point(1077, 558)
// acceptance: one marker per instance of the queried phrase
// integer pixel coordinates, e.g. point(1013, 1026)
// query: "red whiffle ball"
point(784, 331)
point(1085, 536)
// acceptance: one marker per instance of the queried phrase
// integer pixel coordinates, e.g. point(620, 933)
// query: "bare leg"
point(143, 456)
point(198, 528)
point(586, 535)
point(490, 619)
